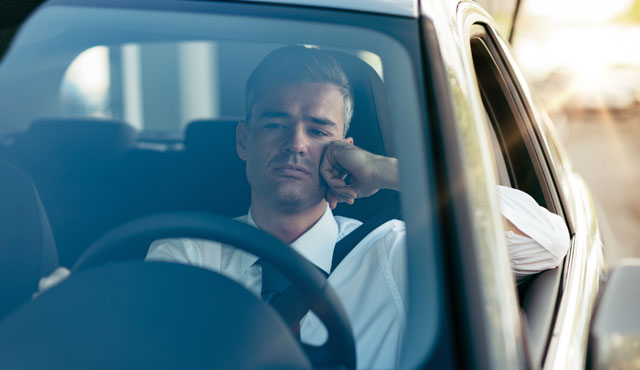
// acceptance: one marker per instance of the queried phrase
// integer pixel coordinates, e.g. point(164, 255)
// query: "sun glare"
point(578, 56)
point(575, 11)
point(85, 85)
point(90, 71)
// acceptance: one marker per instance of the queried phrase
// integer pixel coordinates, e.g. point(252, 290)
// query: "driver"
point(298, 156)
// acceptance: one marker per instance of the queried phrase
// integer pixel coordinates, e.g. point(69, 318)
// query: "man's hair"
point(298, 64)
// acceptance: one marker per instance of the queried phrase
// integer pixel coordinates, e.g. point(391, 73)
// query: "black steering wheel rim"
point(135, 237)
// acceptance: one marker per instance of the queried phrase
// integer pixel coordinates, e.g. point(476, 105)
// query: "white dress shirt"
point(371, 281)
point(548, 240)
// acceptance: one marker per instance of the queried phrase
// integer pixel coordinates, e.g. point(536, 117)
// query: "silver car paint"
point(405, 8)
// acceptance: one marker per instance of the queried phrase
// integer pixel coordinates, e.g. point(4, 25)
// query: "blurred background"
point(582, 58)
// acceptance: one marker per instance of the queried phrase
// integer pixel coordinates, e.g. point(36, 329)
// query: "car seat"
point(370, 127)
point(219, 183)
point(76, 166)
point(27, 247)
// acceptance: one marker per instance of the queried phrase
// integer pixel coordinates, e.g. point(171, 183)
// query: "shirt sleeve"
point(547, 240)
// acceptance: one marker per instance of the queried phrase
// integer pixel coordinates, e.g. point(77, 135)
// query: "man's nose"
point(297, 141)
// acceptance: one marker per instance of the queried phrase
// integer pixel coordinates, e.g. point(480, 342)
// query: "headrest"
point(210, 149)
point(62, 147)
point(371, 117)
point(371, 104)
point(27, 248)
point(99, 139)
point(213, 138)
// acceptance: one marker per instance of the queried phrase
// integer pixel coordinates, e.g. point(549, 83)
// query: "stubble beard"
point(289, 195)
point(293, 197)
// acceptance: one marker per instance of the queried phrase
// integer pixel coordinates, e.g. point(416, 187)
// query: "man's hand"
point(351, 172)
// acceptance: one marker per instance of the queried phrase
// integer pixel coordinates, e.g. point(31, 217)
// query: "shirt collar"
point(316, 244)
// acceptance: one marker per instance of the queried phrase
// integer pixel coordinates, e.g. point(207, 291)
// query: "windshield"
point(118, 114)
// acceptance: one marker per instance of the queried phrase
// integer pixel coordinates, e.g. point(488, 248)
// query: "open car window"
point(520, 163)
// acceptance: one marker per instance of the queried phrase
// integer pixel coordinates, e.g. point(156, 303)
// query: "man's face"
point(284, 142)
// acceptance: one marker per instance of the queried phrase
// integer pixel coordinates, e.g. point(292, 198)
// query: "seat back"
point(370, 126)
point(27, 248)
point(76, 166)
point(219, 183)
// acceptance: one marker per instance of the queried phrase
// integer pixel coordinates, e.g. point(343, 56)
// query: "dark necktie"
point(273, 285)
point(273, 282)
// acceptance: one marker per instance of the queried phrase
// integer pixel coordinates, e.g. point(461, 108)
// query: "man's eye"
point(318, 132)
point(273, 125)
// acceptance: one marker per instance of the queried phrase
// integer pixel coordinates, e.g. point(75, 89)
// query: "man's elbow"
point(560, 240)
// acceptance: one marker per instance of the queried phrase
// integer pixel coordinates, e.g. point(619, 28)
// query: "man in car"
point(300, 164)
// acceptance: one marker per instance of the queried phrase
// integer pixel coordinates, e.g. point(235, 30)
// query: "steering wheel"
point(135, 237)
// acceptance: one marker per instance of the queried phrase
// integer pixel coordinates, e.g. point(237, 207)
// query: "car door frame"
point(480, 277)
point(540, 294)
point(584, 265)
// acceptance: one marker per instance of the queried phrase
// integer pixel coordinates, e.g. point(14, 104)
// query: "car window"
point(512, 124)
point(507, 122)
point(503, 173)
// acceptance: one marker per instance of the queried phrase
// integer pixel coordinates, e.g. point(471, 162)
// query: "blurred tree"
point(633, 14)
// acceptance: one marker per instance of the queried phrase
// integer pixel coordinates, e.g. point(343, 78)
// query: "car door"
point(485, 314)
point(528, 151)
point(521, 164)
point(525, 151)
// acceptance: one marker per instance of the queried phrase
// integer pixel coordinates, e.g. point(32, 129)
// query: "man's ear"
point(349, 140)
point(241, 139)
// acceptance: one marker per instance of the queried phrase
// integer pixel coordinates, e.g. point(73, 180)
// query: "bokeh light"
point(582, 59)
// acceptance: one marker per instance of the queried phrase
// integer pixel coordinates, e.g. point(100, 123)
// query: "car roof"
point(404, 8)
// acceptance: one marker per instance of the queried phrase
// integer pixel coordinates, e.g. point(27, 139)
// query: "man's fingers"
point(344, 194)
point(331, 199)
point(341, 195)
point(334, 182)
point(338, 173)
point(330, 168)
point(347, 192)
point(328, 171)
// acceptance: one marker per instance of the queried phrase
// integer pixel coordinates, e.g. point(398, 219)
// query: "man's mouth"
point(292, 170)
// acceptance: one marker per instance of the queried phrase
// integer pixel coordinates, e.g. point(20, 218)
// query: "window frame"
point(525, 126)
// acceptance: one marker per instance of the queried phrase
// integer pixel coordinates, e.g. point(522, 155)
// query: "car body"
point(460, 119)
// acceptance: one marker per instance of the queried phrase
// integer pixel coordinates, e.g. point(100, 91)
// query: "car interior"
point(97, 173)
point(94, 174)
point(29, 250)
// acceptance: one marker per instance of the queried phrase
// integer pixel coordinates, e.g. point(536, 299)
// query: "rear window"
point(166, 70)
